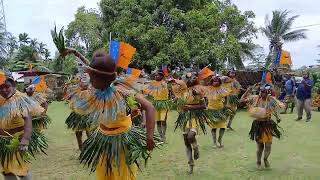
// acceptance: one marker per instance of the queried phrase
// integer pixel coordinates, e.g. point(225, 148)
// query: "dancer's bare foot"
point(190, 171)
point(259, 166)
point(220, 144)
point(266, 163)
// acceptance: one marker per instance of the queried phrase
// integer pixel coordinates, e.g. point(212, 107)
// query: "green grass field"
point(295, 156)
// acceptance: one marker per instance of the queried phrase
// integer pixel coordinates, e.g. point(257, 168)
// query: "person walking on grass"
point(304, 97)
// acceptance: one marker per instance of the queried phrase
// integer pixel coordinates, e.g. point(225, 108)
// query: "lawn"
point(295, 156)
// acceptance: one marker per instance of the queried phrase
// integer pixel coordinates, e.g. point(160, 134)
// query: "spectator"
point(304, 97)
point(290, 92)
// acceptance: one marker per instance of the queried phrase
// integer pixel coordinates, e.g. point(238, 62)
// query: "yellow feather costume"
point(108, 149)
point(12, 112)
point(216, 98)
point(158, 90)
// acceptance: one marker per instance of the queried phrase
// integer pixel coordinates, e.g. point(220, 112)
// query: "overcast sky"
point(37, 17)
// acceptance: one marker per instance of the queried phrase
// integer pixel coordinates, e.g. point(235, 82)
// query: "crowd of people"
point(119, 118)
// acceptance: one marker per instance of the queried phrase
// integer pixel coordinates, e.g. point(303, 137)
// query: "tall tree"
point(34, 43)
point(24, 38)
point(46, 54)
point(86, 31)
point(279, 30)
point(12, 45)
point(179, 32)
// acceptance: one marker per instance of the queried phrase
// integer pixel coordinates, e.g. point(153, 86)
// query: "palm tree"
point(34, 44)
point(46, 54)
point(24, 38)
point(41, 48)
point(12, 45)
point(279, 30)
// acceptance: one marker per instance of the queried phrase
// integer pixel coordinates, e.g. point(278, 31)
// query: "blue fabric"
point(304, 91)
point(289, 87)
point(114, 50)
point(37, 80)
point(129, 71)
point(278, 57)
point(264, 76)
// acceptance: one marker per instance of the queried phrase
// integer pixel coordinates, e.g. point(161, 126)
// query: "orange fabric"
point(42, 86)
point(204, 73)
point(135, 73)
point(285, 58)
point(269, 78)
point(266, 138)
point(121, 125)
point(2, 78)
point(126, 53)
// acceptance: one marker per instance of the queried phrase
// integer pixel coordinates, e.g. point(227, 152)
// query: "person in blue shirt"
point(304, 97)
point(289, 99)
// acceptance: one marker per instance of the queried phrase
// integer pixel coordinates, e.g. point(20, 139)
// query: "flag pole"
point(110, 39)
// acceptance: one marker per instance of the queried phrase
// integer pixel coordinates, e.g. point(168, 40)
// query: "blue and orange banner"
point(40, 84)
point(134, 73)
point(165, 70)
point(266, 77)
point(121, 53)
point(283, 58)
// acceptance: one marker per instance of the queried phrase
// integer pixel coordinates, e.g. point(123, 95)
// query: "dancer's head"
point(102, 70)
point(191, 80)
point(30, 90)
point(7, 85)
point(216, 81)
point(159, 75)
point(265, 90)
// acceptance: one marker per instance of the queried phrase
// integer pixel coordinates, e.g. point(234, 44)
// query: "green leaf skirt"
point(78, 122)
point(9, 148)
point(186, 117)
point(259, 128)
point(41, 122)
point(133, 144)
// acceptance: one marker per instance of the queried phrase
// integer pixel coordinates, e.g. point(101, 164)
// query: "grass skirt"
point(185, 117)
point(9, 148)
point(41, 122)
point(261, 128)
point(78, 122)
point(132, 144)
point(219, 115)
point(233, 99)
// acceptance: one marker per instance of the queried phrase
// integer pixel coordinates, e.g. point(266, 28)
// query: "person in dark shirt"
point(304, 97)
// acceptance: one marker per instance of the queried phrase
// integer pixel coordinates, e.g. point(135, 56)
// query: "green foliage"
point(68, 65)
point(180, 32)
point(86, 31)
point(316, 80)
point(58, 39)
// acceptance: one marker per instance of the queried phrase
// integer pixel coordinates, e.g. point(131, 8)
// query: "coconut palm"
point(46, 54)
point(24, 38)
point(12, 45)
point(34, 44)
point(279, 30)
point(41, 48)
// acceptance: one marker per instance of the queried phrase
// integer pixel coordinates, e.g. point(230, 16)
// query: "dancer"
point(42, 121)
point(158, 92)
point(192, 115)
point(18, 141)
point(216, 94)
point(316, 100)
point(80, 123)
point(234, 88)
point(261, 107)
point(116, 147)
